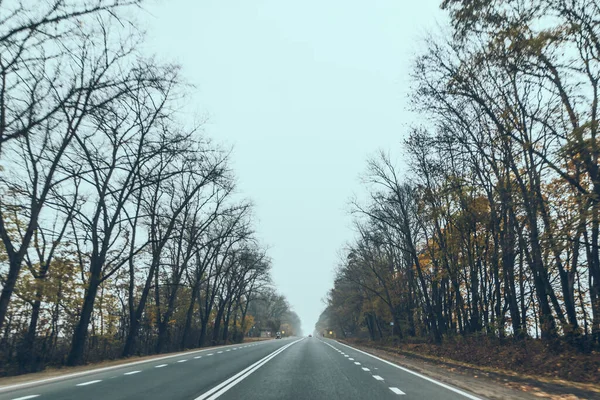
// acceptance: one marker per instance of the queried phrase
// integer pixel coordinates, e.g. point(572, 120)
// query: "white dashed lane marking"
point(89, 383)
point(219, 352)
point(395, 390)
point(135, 372)
point(132, 372)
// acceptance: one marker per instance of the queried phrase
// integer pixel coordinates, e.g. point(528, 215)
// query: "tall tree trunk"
point(189, 316)
point(27, 352)
point(81, 330)
point(217, 325)
point(8, 286)
point(134, 323)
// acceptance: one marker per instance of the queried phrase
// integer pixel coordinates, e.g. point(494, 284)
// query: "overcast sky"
point(304, 91)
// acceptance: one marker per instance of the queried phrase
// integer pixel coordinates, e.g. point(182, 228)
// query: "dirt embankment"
point(500, 370)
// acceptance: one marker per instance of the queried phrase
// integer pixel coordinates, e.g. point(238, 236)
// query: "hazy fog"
point(305, 92)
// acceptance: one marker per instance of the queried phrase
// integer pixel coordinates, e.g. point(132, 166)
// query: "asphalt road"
point(292, 368)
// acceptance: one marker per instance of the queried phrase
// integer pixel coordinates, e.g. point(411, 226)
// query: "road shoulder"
point(491, 385)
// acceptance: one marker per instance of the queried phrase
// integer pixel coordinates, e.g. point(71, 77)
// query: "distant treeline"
point(494, 228)
point(120, 229)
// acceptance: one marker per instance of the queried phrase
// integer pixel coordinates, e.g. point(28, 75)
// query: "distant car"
point(309, 335)
point(278, 335)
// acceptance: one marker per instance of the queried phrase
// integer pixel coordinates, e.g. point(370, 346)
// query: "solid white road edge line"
point(97, 370)
point(455, 390)
point(240, 376)
point(33, 396)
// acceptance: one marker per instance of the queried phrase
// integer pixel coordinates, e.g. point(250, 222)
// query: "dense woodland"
point(492, 228)
point(121, 229)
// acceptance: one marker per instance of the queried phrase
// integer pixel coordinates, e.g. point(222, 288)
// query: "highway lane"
point(325, 369)
point(183, 376)
point(293, 368)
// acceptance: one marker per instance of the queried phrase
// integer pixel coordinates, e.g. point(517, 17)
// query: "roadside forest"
point(491, 226)
point(121, 229)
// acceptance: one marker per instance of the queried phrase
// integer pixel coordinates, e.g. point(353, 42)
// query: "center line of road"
point(209, 354)
point(89, 383)
point(240, 376)
point(132, 372)
point(351, 359)
point(161, 365)
point(33, 396)
point(356, 362)
point(378, 377)
point(366, 369)
point(396, 390)
point(197, 357)
point(181, 361)
point(219, 352)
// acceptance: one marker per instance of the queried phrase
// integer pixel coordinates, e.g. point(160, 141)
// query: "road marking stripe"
point(209, 354)
point(455, 390)
point(219, 352)
point(180, 361)
point(104, 369)
point(161, 365)
point(132, 372)
point(89, 382)
point(197, 357)
point(351, 359)
point(396, 390)
point(356, 362)
point(240, 376)
point(366, 369)
point(378, 377)
point(33, 396)
point(346, 355)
